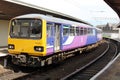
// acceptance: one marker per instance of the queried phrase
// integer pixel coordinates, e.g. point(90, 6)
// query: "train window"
point(90, 31)
point(81, 31)
point(15, 30)
point(24, 31)
point(49, 30)
point(85, 31)
point(94, 31)
point(72, 31)
point(26, 28)
point(65, 30)
point(77, 31)
point(35, 29)
point(99, 32)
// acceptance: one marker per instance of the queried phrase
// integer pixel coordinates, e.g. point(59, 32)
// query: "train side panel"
point(72, 42)
point(92, 37)
point(91, 40)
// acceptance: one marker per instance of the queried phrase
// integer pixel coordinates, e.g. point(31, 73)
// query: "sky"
point(96, 12)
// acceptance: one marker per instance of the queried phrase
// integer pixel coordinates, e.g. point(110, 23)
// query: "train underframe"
point(35, 61)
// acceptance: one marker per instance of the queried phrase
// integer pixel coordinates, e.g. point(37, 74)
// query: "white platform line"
point(3, 48)
point(3, 54)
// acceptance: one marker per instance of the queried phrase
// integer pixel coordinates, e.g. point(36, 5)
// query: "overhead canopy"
point(9, 10)
point(115, 4)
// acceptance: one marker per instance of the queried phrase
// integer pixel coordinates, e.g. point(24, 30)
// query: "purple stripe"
point(49, 51)
point(77, 42)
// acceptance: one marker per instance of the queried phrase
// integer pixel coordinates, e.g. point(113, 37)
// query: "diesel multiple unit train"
point(38, 40)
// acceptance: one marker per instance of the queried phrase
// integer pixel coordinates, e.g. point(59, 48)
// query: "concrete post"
point(119, 34)
point(5, 62)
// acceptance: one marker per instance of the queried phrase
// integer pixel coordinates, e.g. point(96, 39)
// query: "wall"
point(3, 32)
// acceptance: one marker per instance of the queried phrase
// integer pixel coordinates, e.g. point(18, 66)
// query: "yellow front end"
point(28, 46)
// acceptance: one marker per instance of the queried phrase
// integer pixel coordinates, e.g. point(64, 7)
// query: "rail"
point(68, 77)
point(80, 69)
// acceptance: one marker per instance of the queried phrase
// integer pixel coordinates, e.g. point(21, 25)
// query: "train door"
point(57, 37)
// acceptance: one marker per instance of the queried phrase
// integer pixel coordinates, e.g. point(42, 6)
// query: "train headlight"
point(11, 46)
point(38, 48)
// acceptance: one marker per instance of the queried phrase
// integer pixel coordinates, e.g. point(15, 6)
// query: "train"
point(39, 40)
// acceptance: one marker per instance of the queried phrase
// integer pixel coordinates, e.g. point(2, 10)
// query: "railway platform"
point(111, 71)
point(3, 61)
point(3, 52)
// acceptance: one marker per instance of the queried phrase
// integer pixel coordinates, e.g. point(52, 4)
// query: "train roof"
point(53, 19)
point(98, 29)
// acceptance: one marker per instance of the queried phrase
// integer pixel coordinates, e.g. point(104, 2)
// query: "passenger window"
point(49, 30)
point(81, 31)
point(94, 31)
point(90, 31)
point(72, 31)
point(65, 30)
point(85, 31)
point(77, 31)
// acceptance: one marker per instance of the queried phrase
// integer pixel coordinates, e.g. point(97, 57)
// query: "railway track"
point(89, 70)
point(66, 70)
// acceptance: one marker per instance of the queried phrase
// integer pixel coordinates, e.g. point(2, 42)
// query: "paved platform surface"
point(111, 73)
point(3, 54)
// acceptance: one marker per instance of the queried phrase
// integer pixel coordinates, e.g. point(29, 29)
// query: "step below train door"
point(57, 37)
